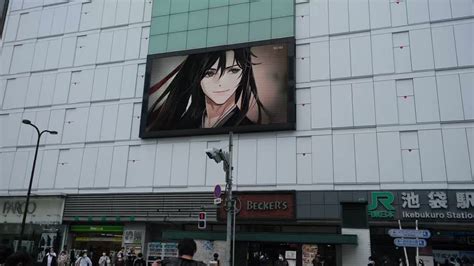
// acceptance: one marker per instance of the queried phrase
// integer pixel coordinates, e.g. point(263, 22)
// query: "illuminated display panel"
point(244, 88)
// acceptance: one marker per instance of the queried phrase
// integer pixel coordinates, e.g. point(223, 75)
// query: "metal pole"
point(29, 188)
point(417, 256)
point(229, 202)
point(404, 248)
point(233, 236)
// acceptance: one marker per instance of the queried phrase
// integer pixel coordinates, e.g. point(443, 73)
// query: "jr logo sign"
point(383, 210)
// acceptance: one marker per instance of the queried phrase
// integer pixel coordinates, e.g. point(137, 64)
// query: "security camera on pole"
point(218, 156)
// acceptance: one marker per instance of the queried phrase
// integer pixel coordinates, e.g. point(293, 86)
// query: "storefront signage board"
point(97, 228)
point(263, 206)
point(40, 210)
point(410, 233)
point(427, 205)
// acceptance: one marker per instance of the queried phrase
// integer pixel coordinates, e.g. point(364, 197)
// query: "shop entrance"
point(96, 239)
point(282, 254)
point(270, 253)
point(95, 244)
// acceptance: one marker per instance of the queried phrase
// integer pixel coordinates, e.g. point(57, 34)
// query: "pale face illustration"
point(220, 87)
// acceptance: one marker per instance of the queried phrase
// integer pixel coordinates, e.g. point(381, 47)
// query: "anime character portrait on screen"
point(213, 91)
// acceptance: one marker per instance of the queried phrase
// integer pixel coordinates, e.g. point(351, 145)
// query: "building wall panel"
point(88, 169)
point(140, 166)
point(48, 169)
point(389, 157)
point(432, 155)
point(69, 168)
point(457, 155)
point(450, 99)
point(321, 107)
point(340, 58)
point(180, 164)
point(341, 99)
point(467, 90)
point(286, 160)
point(319, 17)
point(444, 47)
point(266, 161)
point(47, 89)
point(361, 55)
point(118, 173)
point(363, 104)
point(322, 155)
point(382, 54)
point(439, 10)
point(247, 159)
point(344, 158)
point(319, 60)
point(464, 36)
point(197, 164)
point(162, 165)
point(427, 108)
point(367, 167)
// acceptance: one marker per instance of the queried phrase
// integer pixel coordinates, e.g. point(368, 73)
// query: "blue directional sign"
point(409, 242)
point(409, 233)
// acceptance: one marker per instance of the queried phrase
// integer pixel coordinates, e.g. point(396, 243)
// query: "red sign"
point(271, 206)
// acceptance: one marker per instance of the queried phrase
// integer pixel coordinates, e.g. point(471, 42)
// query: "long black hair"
point(186, 86)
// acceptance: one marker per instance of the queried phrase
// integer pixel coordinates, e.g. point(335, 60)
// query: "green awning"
point(306, 238)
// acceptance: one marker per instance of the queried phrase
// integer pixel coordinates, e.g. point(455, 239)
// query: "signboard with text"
point(410, 233)
point(41, 210)
point(264, 206)
point(422, 205)
point(409, 242)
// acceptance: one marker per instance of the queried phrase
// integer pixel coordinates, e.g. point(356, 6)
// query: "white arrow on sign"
point(410, 233)
point(409, 242)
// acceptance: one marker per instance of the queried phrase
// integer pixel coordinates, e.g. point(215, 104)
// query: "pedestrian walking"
point(50, 259)
point(186, 250)
point(139, 261)
point(63, 259)
point(19, 258)
point(83, 260)
point(104, 260)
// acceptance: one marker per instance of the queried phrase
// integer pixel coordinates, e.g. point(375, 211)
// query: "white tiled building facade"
point(384, 100)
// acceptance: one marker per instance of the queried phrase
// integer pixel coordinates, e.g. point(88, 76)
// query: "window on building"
point(354, 215)
point(3, 15)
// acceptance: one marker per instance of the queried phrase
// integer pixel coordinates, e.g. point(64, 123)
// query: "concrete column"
point(356, 254)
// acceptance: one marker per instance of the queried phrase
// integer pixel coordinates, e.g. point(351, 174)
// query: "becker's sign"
point(264, 206)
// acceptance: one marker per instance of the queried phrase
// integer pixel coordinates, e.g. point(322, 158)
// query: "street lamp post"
point(28, 122)
point(226, 157)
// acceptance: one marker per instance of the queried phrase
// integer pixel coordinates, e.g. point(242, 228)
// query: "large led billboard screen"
point(242, 88)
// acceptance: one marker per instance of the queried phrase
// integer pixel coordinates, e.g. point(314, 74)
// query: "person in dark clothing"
point(139, 261)
point(19, 258)
point(50, 259)
point(186, 250)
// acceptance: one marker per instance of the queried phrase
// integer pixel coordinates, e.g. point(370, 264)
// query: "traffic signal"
point(202, 220)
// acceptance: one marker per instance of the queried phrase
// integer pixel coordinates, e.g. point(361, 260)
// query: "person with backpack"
point(186, 250)
point(139, 261)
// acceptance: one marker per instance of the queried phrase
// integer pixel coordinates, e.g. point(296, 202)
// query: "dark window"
point(3, 14)
point(354, 215)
